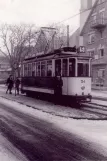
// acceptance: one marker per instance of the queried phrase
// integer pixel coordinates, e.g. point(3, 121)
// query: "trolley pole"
point(52, 29)
point(15, 83)
point(15, 79)
point(67, 35)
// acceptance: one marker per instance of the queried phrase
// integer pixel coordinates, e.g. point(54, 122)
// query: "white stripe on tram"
point(39, 90)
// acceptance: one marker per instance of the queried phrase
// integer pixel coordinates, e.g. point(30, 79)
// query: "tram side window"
point(83, 70)
point(30, 69)
point(72, 67)
point(49, 68)
point(33, 69)
point(64, 67)
point(38, 69)
point(22, 71)
point(25, 69)
point(43, 69)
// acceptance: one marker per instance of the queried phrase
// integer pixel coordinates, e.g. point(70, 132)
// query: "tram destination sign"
point(81, 49)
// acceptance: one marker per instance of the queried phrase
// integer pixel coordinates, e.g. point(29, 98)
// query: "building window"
point(94, 19)
point(102, 16)
point(101, 53)
point(91, 38)
point(96, 56)
point(101, 73)
point(91, 53)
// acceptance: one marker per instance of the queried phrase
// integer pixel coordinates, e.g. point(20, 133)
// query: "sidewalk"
point(99, 95)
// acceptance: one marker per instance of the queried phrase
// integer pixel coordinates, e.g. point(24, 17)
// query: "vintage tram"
point(38, 74)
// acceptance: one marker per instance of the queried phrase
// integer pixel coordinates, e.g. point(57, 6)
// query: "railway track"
point(94, 108)
point(97, 112)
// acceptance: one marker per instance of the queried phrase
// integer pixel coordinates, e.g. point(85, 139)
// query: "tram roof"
point(58, 53)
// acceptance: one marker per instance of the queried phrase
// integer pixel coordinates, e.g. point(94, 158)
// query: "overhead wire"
point(94, 6)
point(81, 12)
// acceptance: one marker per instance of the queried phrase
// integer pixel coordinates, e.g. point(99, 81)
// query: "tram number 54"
point(82, 81)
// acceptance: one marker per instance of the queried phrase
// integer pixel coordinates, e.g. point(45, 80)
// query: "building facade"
point(94, 35)
point(86, 7)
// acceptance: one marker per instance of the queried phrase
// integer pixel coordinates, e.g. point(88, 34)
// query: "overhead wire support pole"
point(15, 78)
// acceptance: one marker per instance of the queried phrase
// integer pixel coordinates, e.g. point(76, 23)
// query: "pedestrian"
point(9, 84)
point(58, 88)
point(17, 84)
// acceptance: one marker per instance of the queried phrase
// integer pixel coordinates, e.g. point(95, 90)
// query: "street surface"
point(41, 137)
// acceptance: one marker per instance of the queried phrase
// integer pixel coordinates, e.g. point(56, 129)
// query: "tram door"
point(57, 67)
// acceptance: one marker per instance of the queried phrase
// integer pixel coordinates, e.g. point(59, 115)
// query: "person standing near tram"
point(58, 88)
point(17, 84)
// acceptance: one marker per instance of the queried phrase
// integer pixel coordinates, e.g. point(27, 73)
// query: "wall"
point(85, 4)
point(99, 41)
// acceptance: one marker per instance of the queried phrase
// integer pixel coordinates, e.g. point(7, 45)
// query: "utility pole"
point(67, 35)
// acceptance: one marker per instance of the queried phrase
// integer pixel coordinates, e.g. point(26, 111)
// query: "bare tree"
point(17, 41)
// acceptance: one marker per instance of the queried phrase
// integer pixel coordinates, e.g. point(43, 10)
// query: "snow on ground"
point(49, 107)
point(8, 152)
point(99, 102)
point(102, 94)
point(92, 131)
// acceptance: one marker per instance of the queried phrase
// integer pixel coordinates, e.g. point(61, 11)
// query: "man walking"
point(9, 84)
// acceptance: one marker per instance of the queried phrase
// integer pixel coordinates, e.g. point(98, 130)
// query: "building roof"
point(89, 16)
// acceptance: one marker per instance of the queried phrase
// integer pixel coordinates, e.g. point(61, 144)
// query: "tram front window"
point(83, 69)
point(64, 67)
point(72, 67)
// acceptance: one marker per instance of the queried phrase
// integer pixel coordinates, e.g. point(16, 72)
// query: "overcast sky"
point(40, 12)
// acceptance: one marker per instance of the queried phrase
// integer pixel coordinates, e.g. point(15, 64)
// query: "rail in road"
point(97, 112)
point(95, 108)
